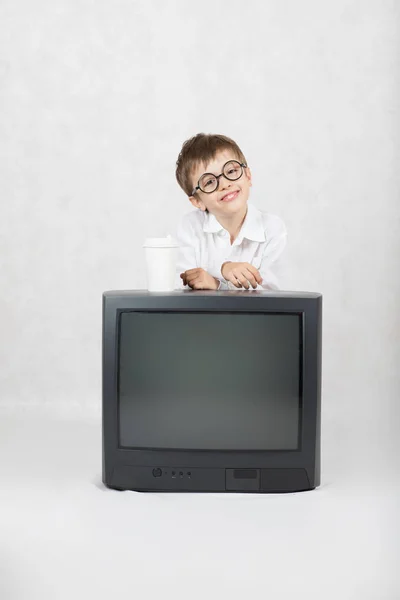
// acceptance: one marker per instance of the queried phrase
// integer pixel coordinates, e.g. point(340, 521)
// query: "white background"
point(96, 101)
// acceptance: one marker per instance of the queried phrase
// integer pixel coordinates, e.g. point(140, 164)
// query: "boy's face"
point(219, 202)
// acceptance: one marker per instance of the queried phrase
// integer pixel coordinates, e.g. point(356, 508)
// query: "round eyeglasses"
point(208, 182)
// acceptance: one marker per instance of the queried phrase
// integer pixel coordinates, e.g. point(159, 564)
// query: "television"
point(211, 391)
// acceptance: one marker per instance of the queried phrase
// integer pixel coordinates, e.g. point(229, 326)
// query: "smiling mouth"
point(229, 197)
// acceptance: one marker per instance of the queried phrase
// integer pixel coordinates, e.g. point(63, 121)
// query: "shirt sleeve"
point(271, 267)
point(225, 285)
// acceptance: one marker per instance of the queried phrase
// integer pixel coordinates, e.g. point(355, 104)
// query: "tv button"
point(157, 472)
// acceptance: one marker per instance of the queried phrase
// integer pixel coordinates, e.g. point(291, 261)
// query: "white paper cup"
point(161, 258)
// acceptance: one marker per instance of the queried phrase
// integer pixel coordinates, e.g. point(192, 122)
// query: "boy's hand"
point(241, 274)
point(199, 279)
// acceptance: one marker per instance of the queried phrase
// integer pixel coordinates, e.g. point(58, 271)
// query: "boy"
point(225, 242)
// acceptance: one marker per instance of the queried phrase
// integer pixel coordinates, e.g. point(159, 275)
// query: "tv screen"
point(216, 381)
point(211, 391)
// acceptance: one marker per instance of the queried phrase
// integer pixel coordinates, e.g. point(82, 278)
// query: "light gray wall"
point(96, 101)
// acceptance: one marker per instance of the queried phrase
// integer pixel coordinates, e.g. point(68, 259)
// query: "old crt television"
point(211, 391)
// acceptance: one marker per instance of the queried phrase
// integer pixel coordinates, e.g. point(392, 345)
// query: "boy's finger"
point(234, 280)
point(243, 280)
point(194, 283)
point(250, 277)
point(192, 271)
point(256, 273)
point(193, 279)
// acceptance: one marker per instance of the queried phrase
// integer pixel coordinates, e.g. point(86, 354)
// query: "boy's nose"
point(224, 183)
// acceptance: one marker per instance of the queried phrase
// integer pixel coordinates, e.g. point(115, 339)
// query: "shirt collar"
point(252, 228)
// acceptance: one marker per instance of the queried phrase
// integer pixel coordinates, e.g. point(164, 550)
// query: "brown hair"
point(201, 148)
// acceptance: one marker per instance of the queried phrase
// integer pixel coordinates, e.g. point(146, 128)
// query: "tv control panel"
point(181, 479)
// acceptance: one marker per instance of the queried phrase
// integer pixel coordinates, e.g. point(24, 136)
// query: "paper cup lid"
point(166, 242)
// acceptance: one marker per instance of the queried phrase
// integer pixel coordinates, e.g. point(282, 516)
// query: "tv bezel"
point(306, 304)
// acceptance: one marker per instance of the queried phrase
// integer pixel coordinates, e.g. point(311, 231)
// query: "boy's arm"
point(188, 250)
point(271, 267)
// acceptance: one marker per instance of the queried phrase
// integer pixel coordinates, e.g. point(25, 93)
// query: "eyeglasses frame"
point(243, 165)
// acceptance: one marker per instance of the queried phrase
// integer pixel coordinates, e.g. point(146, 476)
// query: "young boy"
point(225, 243)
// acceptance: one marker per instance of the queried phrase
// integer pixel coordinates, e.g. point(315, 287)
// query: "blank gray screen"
point(223, 381)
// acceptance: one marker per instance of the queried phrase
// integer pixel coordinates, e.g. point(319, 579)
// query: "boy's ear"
point(248, 173)
point(197, 203)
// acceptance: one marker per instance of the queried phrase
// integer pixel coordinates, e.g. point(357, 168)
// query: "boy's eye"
point(232, 170)
point(209, 183)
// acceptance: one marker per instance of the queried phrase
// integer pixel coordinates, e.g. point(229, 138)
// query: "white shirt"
point(203, 242)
